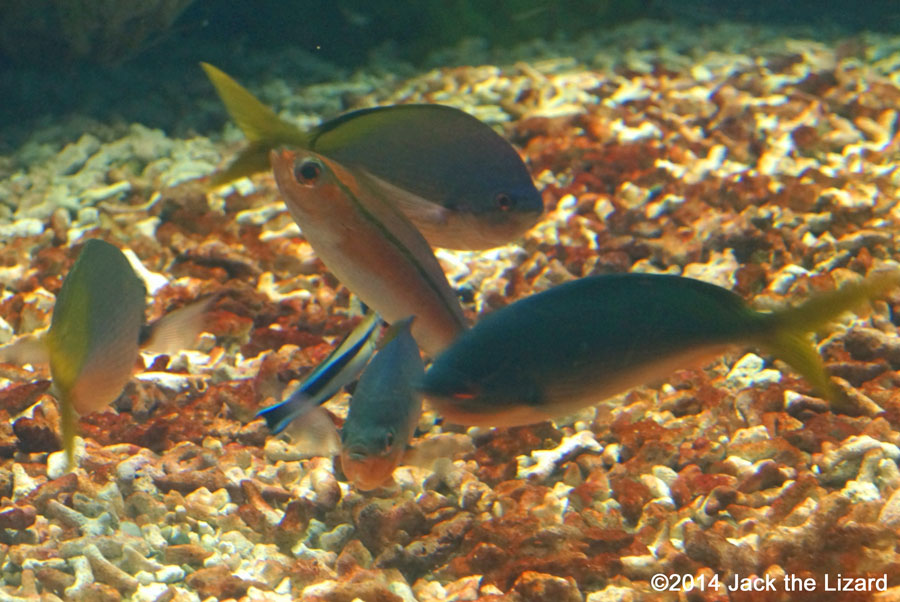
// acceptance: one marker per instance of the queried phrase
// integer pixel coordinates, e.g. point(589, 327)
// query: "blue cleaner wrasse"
point(564, 349)
point(339, 369)
point(462, 184)
point(369, 245)
point(384, 410)
point(96, 332)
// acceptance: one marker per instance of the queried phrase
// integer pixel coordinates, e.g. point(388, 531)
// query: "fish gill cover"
point(758, 157)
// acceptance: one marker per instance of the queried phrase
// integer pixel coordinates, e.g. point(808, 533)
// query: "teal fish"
point(96, 332)
point(569, 347)
point(455, 178)
point(369, 245)
point(339, 369)
point(384, 410)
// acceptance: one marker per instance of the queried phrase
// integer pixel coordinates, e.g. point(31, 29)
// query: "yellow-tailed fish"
point(339, 369)
point(96, 332)
point(576, 344)
point(369, 245)
point(384, 410)
point(462, 184)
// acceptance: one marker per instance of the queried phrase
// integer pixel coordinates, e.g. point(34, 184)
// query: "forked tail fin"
point(788, 332)
point(263, 128)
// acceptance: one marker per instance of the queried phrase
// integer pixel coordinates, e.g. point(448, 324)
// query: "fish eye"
point(308, 172)
point(388, 440)
point(504, 201)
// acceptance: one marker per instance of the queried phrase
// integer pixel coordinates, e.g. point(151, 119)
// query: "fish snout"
point(367, 472)
point(282, 158)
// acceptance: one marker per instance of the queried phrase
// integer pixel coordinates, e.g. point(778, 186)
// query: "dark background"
point(145, 70)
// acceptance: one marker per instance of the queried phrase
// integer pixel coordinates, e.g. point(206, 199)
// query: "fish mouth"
point(281, 157)
point(367, 472)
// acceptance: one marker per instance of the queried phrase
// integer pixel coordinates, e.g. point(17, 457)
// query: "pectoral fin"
point(316, 434)
point(176, 330)
point(26, 349)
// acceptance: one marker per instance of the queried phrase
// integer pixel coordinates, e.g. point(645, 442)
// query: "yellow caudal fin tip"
point(256, 120)
point(262, 127)
point(244, 108)
point(67, 426)
point(789, 339)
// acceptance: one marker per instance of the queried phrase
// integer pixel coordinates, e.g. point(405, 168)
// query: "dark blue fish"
point(384, 410)
point(574, 345)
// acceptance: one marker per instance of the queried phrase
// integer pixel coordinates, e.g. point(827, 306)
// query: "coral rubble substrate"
point(764, 163)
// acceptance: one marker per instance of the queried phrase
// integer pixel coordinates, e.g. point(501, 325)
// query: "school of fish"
point(350, 184)
point(373, 191)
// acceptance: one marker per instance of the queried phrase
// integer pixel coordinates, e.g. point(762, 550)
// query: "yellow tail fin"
point(264, 129)
point(68, 425)
point(788, 333)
